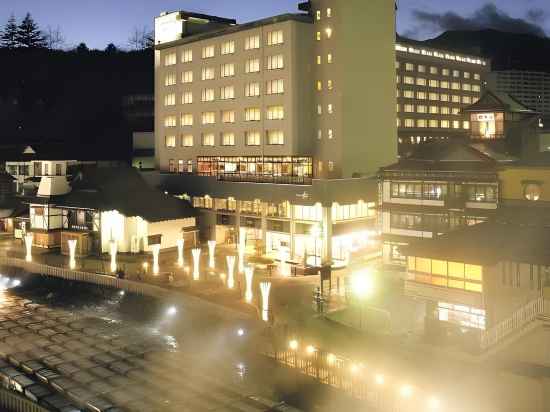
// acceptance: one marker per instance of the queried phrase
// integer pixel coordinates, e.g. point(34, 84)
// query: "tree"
point(29, 35)
point(54, 38)
point(141, 39)
point(111, 48)
point(8, 38)
point(82, 48)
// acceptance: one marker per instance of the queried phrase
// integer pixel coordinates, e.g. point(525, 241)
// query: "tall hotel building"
point(433, 86)
point(275, 128)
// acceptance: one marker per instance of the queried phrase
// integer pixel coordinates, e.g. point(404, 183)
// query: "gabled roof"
point(122, 189)
point(493, 101)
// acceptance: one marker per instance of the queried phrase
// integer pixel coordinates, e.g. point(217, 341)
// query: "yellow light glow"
point(331, 358)
point(293, 344)
point(362, 285)
point(379, 379)
point(406, 391)
point(354, 368)
point(434, 404)
point(310, 350)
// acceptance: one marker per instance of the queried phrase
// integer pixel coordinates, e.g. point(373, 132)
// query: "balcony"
point(253, 178)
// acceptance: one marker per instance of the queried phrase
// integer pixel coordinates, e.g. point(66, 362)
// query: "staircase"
point(516, 325)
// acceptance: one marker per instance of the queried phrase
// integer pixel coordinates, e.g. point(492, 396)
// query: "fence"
point(13, 402)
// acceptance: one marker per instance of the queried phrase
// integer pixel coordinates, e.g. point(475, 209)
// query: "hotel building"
point(275, 128)
point(433, 86)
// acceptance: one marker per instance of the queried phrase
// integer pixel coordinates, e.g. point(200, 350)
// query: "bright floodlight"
point(362, 284)
point(171, 311)
point(379, 379)
point(434, 404)
point(240, 332)
point(121, 293)
point(406, 391)
point(331, 358)
point(293, 344)
point(310, 350)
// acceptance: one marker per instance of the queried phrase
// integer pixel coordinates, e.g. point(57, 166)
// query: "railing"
point(11, 401)
point(252, 178)
point(517, 321)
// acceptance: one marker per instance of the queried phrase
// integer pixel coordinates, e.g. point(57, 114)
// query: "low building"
point(105, 204)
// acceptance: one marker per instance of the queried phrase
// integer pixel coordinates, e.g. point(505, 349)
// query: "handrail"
point(518, 320)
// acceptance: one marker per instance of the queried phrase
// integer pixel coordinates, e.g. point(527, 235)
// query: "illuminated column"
point(196, 260)
point(230, 271)
point(248, 275)
point(72, 251)
point(284, 268)
point(112, 250)
point(211, 254)
point(156, 250)
point(180, 243)
point(28, 246)
point(326, 237)
point(265, 287)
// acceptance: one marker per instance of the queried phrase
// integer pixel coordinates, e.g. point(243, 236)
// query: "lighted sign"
point(168, 27)
point(485, 117)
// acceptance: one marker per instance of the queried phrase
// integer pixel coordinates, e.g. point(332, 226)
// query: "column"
point(263, 217)
point(292, 232)
point(237, 221)
point(326, 250)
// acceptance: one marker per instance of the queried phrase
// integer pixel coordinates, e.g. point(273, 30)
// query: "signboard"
point(168, 27)
point(485, 117)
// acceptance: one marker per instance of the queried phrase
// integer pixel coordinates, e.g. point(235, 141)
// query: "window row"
point(438, 191)
point(318, 13)
point(433, 123)
point(423, 109)
point(226, 93)
point(443, 84)
point(227, 47)
point(251, 138)
point(421, 68)
point(319, 59)
point(443, 97)
point(180, 166)
point(251, 114)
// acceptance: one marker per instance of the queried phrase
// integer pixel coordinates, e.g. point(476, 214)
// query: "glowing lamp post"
point(211, 254)
point(248, 275)
point(230, 271)
point(72, 250)
point(113, 250)
point(196, 260)
point(28, 246)
point(180, 243)
point(156, 250)
point(265, 287)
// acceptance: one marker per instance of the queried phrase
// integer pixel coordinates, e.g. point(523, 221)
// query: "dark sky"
point(98, 22)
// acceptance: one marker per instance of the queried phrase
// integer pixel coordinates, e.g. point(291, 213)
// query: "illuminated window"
point(329, 12)
point(275, 37)
point(445, 124)
point(252, 42)
point(228, 116)
point(228, 139)
point(187, 98)
point(275, 86)
point(444, 84)
point(466, 124)
point(444, 97)
point(409, 122)
point(318, 36)
point(208, 95)
point(445, 72)
point(319, 85)
point(275, 62)
point(455, 98)
point(408, 108)
point(466, 87)
point(434, 70)
point(208, 73)
point(466, 100)
point(476, 88)
point(456, 73)
point(421, 68)
point(190, 166)
point(208, 117)
point(170, 79)
point(466, 75)
point(421, 95)
point(408, 94)
point(456, 124)
point(434, 83)
point(328, 32)
point(227, 70)
point(252, 138)
point(318, 14)
point(227, 92)
point(187, 56)
point(275, 137)
point(319, 60)
point(319, 109)
point(329, 58)
point(170, 99)
point(330, 134)
point(208, 139)
point(434, 124)
point(330, 108)
point(329, 84)
point(170, 121)
point(186, 119)
point(170, 59)
point(252, 114)
point(434, 96)
point(252, 89)
point(170, 141)
point(187, 140)
point(252, 66)
point(208, 52)
point(408, 80)
point(445, 110)
point(228, 47)
point(275, 113)
point(319, 134)
point(532, 191)
point(187, 76)
point(409, 67)
point(330, 166)
point(477, 76)
point(421, 109)
point(421, 123)
point(421, 81)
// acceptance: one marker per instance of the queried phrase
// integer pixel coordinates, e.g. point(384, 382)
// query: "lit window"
point(408, 80)
point(466, 125)
point(252, 42)
point(445, 110)
point(190, 166)
point(330, 109)
point(208, 139)
point(170, 141)
point(421, 68)
point(170, 99)
point(318, 14)
point(456, 73)
point(319, 60)
point(408, 108)
point(434, 70)
point(328, 32)
point(319, 134)
point(466, 100)
point(434, 124)
point(329, 58)
point(186, 119)
point(228, 139)
point(252, 89)
point(477, 76)
point(208, 73)
point(275, 137)
point(208, 118)
point(444, 97)
point(421, 109)
point(456, 124)
point(227, 70)
point(466, 75)
point(434, 96)
point(228, 47)
point(170, 59)
point(208, 95)
point(319, 85)
point(445, 72)
point(252, 138)
point(208, 52)
point(318, 36)
point(275, 37)
point(228, 116)
point(409, 67)
point(444, 84)
point(421, 95)
point(170, 79)
point(409, 122)
point(275, 86)
point(330, 134)
point(319, 109)
point(434, 109)
point(187, 56)
point(421, 123)
point(532, 191)
point(421, 81)
point(275, 113)
point(329, 84)
point(187, 140)
point(408, 94)
point(227, 92)
point(434, 83)
point(187, 98)
point(187, 77)
point(275, 62)
point(170, 121)
point(330, 166)
point(252, 66)
point(329, 12)
point(252, 114)
point(445, 124)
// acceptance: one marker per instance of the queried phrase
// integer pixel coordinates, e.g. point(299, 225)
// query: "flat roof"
point(299, 17)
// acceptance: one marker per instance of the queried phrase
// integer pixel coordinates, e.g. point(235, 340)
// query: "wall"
point(171, 231)
point(512, 177)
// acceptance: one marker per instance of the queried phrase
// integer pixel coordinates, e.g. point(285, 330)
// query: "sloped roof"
point(493, 101)
point(122, 189)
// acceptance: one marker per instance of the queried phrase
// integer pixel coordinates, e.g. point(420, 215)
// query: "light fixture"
point(293, 344)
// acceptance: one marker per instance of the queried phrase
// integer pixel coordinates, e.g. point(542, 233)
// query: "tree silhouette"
point(111, 48)
point(141, 39)
point(82, 48)
point(8, 37)
point(54, 38)
point(29, 35)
